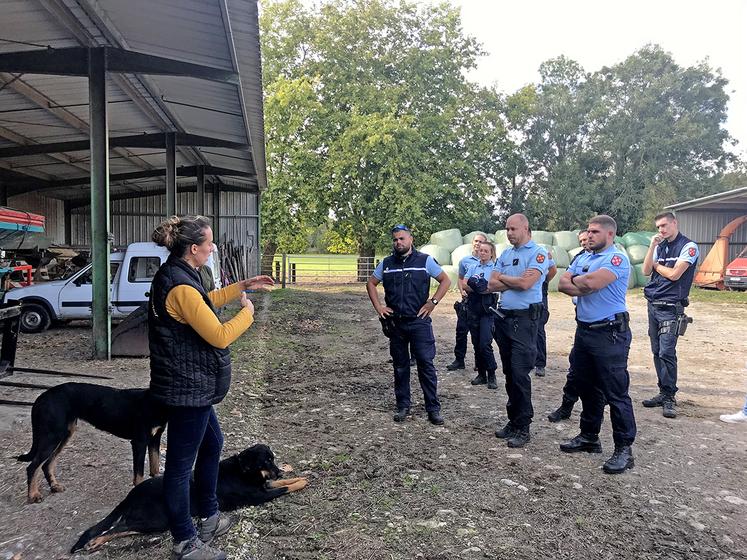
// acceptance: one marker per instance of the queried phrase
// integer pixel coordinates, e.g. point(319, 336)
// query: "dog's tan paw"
point(35, 498)
point(57, 487)
point(286, 468)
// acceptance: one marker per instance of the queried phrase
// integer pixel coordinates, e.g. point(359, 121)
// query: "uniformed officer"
point(480, 316)
point(406, 275)
point(541, 362)
point(670, 261)
point(519, 273)
point(462, 326)
point(570, 392)
point(601, 345)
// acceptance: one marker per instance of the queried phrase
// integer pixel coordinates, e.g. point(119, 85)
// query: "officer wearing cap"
point(406, 275)
point(541, 362)
point(601, 345)
point(462, 326)
point(519, 273)
point(670, 261)
point(570, 391)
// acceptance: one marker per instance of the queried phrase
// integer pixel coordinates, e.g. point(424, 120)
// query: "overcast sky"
point(520, 34)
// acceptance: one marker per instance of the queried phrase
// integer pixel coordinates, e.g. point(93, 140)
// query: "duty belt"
point(619, 323)
point(531, 312)
point(662, 303)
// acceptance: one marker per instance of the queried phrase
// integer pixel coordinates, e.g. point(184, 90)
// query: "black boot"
point(539, 371)
point(621, 460)
point(667, 408)
point(563, 412)
point(401, 414)
point(653, 402)
point(491, 380)
point(435, 418)
point(481, 378)
point(455, 365)
point(505, 432)
point(582, 442)
point(519, 438)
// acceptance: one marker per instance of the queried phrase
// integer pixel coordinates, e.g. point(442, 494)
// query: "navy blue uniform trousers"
point(481, 327)
point(517, 343)
point(462, 330)
point(600, 363)
point(417, 334)
point(541, 360)
point(664, 347)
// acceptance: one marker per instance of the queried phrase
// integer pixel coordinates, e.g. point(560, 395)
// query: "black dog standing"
point(406, 275)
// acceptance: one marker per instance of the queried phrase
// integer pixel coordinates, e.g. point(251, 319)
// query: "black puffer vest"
point(184, 369)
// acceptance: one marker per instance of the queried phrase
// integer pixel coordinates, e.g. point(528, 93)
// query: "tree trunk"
point(268, 254)
point(366, 262)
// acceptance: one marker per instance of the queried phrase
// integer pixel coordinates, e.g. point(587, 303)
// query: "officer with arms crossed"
point(406, 275)
point(600, 349)
point(519, 273)
point(570, 391)
point(462, 326)
point(670, 261)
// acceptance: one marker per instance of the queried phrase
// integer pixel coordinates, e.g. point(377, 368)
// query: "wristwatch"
point(434, 301)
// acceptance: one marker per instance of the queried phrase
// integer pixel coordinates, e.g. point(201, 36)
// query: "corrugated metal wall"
point(52, 209)
point(135, 219)
point(702, 226)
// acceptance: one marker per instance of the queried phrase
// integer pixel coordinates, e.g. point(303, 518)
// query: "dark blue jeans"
point(194, 438)
point(600, 363)
point(663, 347)
point(417, 334)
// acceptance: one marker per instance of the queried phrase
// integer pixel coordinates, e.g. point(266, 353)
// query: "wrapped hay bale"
point(632, 279)
point(543, 237)
point(460, 252)
point(449, 239)
point(500, 236)
point(500, 247)
point(634, 238)
point(452, 272)
point(573, 252)
point(442, 256)
point(637, 253)
point(491, 237)
point(560, 256)
point(553, 285)
point(640, 278)
point(566, 239)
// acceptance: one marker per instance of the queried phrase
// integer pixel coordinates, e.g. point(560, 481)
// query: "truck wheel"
point(34, 318)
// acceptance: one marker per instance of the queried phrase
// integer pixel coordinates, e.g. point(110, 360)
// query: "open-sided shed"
point(116, 114)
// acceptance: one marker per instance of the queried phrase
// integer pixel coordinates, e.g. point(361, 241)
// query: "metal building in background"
point(701, 219)
point(115, 114)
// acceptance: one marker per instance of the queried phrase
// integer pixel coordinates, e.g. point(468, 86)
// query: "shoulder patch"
point(540, 258)
point(691, 251)
point(616, 260)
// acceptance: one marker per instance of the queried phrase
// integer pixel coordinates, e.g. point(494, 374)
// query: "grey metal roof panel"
point(719, 201)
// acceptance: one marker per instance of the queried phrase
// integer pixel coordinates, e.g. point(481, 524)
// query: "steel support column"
point(216, 211)
point(200, 190)
point(99, 133)
point(170, 174)
point(3, 193)
point(68, 222)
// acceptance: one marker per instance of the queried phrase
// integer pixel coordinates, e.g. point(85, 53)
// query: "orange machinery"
point(711, 271)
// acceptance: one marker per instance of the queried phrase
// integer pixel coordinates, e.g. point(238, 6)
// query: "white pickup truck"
point(70, 298)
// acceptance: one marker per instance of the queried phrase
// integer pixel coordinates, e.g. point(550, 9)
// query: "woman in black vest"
point(191, 372)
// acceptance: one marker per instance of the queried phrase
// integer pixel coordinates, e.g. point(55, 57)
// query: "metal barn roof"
point(218, 122)
point(734, 200)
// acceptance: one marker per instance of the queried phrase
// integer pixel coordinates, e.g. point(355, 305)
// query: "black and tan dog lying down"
point(247, 479)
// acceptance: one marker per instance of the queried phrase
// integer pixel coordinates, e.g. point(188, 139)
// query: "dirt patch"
point(312, 380)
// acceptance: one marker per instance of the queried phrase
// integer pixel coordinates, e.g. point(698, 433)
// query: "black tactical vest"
point(406, 283)
point(661, 289)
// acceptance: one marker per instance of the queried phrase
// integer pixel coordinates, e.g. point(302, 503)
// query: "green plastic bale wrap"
point(460, 252)
point(648, 235)
point(573, 252)
point(453, 274)
point(491, 237)
point(618, 240)
point(566, 239)
point(442, 256)
point(640, 278)
point(500, 247)
point(637, 253)
point(500, 236)
point(634, 238)
point(543, 237)
point(632, 279)
point(449, 239)
point(553, 285)
point(560, 256)
point(471, 235)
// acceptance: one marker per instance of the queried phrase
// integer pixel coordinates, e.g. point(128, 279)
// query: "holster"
point(388, 327)
point(535, 311)
point(461, 308)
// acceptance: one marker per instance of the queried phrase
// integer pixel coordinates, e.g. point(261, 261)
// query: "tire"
point(34, 318)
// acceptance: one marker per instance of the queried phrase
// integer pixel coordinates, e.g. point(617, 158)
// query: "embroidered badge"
point(691, 252)
point(516, 262)
point(540, 258)
point(616, 260)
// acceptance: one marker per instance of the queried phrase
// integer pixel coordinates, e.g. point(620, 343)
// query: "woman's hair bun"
point(166, 233)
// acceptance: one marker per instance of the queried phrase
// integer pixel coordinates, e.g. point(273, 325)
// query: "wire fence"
point(289, 269)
